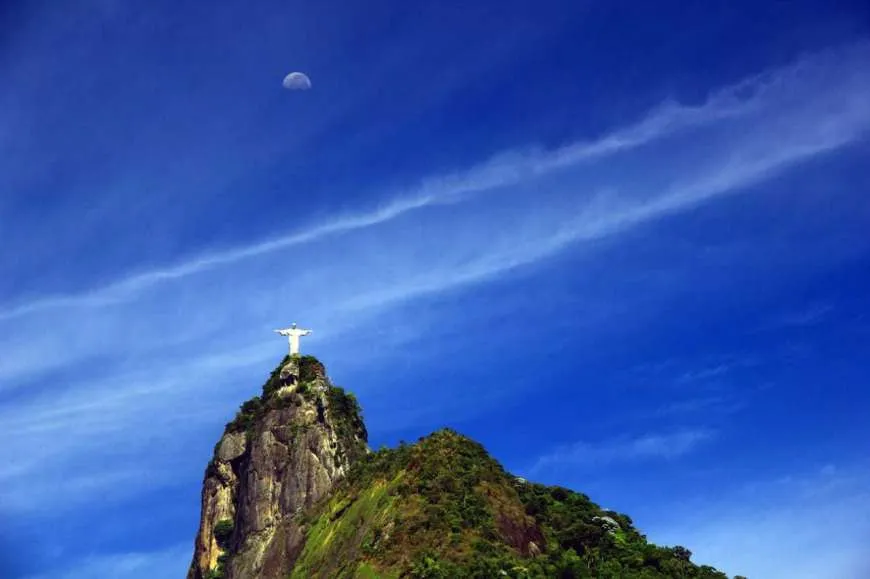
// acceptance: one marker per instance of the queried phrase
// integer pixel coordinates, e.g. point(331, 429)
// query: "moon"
point(297, 81)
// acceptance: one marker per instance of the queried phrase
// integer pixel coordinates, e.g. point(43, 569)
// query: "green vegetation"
point(310, 368)
point(345, 416)
point(345, 412)
point(223, 531)
point(582, 547)
point(220, 570)
point(248, 414)
point(442, 508)
point(252, 410)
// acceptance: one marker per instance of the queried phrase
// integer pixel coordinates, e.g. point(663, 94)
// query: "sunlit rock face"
point(280, 455)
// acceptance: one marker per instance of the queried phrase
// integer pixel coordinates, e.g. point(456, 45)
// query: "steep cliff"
point(293, 492)
point(279, 456)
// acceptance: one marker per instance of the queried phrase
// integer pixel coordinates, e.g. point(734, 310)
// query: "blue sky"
point(622, 245)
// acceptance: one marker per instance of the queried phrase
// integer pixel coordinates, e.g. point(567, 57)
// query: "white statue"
point(293, 335)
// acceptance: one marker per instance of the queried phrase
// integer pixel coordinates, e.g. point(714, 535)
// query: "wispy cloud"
point(108, 422)
point(811, 315)
point(706, 404)
point(170, 562)
point(713, 369)
point(642, 448)
point(820, 522)
point(504, 169)
point(829, 116)
point(705, 373)
point(711, 373)
point(117, 357)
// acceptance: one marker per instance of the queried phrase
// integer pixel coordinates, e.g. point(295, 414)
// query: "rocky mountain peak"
point(280, 454)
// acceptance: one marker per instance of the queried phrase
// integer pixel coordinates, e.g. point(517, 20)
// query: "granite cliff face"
point(280, 455)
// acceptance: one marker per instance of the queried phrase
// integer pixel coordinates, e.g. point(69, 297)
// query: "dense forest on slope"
point(443, 508)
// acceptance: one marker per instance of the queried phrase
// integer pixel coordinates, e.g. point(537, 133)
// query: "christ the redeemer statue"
point(293, 334)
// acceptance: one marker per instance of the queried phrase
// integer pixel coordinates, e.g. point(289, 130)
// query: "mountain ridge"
point(294, 491)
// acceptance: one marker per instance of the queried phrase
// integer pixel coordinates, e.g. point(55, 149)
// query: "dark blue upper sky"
point(624, 245)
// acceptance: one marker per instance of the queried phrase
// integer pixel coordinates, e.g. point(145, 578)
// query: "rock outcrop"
point(279, 456)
